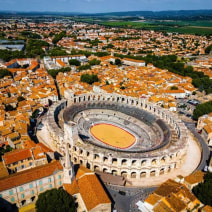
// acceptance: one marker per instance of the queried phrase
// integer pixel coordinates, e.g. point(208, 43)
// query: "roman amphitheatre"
point(122, 136)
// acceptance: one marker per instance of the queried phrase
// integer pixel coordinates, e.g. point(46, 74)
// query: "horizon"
point(102, 6)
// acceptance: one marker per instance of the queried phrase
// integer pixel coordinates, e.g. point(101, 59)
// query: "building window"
point(11, 192)
point(21, 189)
point(31, 186)
point(60, 183)
point(59, 176)
point(30, 164)
point(41, 188)
point(50, 185)
point(12, 199)
point(32, 192)
point(50, 180)
point(40, 183)
point(22, 196)
point(0, 195)
point(23, 166)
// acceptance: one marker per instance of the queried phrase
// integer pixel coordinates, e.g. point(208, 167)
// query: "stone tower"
point(70, 133)
point(68, 170)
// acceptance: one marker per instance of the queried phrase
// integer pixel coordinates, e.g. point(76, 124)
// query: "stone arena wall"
point(129, 165)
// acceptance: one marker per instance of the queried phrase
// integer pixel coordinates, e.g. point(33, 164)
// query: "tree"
point(203, 191)
point(90, 79)
point(74, 62)
point(84, 67)
point(117, 61)
point(208, 49)
point(174, 88)
point(21, 98)
point(94, 62)
point(4, 72)
point(202, 109)
point(58, 37)
point(55, 200)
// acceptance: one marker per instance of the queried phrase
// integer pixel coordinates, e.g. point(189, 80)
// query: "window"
point(31, 186)
point(60, 183)
point(0, 195)
point(50, 180)
point(30, 164)
point(40, 183)
point(59, 176)
point(22, 196)
point(41, 189)
point(21, 189)
point(50, 185)
point(23, 166)
point(32, 192)
point(11, 192)
point(12, 199)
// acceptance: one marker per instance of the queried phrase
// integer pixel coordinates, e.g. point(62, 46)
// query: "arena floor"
point(113, 135)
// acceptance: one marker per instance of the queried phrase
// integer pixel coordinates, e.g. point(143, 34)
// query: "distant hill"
point(170, 14)
point(162, 14)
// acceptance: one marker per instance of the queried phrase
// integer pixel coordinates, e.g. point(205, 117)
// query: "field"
point(187, 27)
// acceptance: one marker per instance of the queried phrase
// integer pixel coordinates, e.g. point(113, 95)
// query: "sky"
point(95, 6)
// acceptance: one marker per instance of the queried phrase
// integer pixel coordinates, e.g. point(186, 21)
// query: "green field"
point(188, 27)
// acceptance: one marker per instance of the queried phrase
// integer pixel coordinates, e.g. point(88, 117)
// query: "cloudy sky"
point(92, 6)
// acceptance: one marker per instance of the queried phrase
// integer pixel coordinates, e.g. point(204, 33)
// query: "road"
point(126, 203)
point(205, 149)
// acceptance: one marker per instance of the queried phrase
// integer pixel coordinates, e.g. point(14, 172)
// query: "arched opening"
point(152, 173)
point(81, 162)
point(133, 175)
point(143, 162)
point(105, 159)
point(88, 154)
point(88, 165)
point(124, 162)
point(96, 168)
point(163, 160)
point(134, 162)
point(169, 169)
point(23, 202)
point(32, 199)
point(96, 157)
point(124, 174)
point(81, 151)
point(114, 161)
point(114, 172)
point(142, 174)
point(154, 162)
point(75, 159)
point(162, 171)
point(105, 170)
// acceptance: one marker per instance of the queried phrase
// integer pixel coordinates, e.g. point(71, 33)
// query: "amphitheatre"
point(120, 135)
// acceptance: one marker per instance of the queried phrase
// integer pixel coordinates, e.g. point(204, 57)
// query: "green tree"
point(74, 62)
point(55, 200)
point(54, 72)
point(94, 62)
point(4, 72)
point(21, 98)
point(58, 37)
point(84, 67)
point(174, 88)
point(90, 79)
point(117, 61)
point(208, 49)
point(203, 191)
point(202, 109)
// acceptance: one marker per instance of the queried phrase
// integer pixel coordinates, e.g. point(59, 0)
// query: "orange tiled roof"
point(29, 175)
point(17, 155)
point(87, 184)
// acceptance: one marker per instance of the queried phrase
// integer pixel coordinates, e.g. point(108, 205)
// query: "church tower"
point(68, 170)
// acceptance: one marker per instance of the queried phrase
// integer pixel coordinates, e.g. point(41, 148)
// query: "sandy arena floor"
point(113, 135)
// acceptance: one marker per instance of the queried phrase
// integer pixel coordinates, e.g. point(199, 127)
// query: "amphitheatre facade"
point(117, 134)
